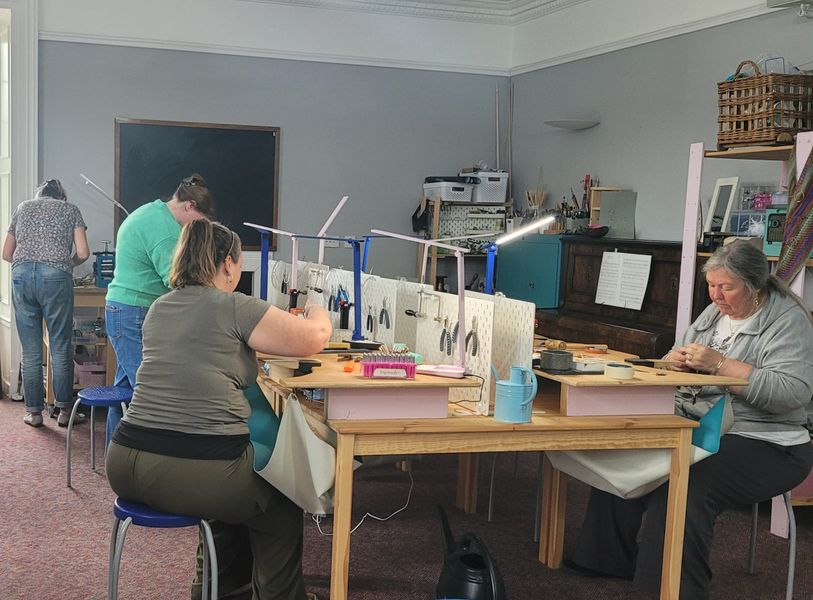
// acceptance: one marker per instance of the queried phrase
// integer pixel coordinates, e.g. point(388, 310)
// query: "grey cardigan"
point(779, 345)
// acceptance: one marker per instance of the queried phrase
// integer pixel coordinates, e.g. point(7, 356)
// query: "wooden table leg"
point(676, 517)
point(342, 513)
point(552, 530)
point(467, 475)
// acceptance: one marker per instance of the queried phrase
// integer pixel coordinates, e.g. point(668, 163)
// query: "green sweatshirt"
point(144, 248)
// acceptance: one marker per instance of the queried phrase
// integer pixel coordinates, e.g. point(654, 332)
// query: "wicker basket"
point(763, 109)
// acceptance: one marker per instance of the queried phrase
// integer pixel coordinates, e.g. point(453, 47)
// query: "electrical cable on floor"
point(318, 518)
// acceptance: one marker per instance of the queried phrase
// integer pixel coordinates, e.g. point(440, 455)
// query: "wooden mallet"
point(560, 345)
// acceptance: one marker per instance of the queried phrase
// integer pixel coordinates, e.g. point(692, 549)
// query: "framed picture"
point(722, 202)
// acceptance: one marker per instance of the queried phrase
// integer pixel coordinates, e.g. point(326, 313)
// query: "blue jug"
point(513, 402)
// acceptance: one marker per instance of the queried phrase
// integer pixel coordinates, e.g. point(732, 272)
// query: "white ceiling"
point(507, 12)
point(493, 37)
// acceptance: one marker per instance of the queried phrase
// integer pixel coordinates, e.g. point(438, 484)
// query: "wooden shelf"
point(472, 204)
point(780, 153)
point(809, 262)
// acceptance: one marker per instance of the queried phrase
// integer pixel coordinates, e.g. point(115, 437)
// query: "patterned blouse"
point(43, 229)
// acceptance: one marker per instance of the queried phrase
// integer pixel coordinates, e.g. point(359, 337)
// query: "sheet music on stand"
point(623, 279)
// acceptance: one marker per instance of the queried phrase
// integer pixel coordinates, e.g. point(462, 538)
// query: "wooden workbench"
point(474, 434)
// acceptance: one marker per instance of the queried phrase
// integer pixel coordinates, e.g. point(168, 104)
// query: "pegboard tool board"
point(377, 295)
point(375, 291)
point(513, 334)
point(279, 273)
point(469, 219)
point(504, 331)
point(406, 327)
point(440, 312)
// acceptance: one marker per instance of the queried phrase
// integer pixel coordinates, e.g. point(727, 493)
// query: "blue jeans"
point(42, 292)
point(123, 324)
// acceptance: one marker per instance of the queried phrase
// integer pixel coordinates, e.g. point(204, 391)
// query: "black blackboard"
point(239, 162)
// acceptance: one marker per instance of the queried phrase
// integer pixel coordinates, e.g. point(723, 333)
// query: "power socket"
point(332, 243)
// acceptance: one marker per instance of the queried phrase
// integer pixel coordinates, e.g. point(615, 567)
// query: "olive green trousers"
point(257, 530)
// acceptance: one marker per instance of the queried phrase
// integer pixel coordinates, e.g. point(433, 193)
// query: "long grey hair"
point(749, 264)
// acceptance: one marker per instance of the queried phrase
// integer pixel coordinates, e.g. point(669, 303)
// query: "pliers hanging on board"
point(284, 287)
point(384, 315)
point(370, 320)
point(446, 338)
point(472, 338)
point(332, 300)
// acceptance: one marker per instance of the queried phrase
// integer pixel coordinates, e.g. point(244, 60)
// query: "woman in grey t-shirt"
point(46, 239)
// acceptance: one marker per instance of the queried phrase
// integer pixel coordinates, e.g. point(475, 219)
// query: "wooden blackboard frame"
point(220, 195)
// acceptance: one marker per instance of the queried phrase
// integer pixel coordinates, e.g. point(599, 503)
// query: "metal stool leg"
point(113, 589)
point(92, 437)
point(68, 437)
point(212, 552)
point(204, 582)
point(752, 552)
point(791, 545)
point(111, 594)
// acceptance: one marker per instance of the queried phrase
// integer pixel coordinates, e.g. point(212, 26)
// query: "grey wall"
point(654, 101)
point(375, 133)
point(372, 133)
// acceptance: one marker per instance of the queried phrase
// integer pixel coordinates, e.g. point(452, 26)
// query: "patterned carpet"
point(54, 541)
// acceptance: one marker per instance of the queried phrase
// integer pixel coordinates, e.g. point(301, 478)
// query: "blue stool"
point(102, 395)
point(140, 514)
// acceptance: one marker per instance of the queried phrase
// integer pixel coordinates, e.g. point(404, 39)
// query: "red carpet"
point(54, 541)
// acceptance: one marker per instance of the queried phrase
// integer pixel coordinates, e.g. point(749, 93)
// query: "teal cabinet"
point(530, 268)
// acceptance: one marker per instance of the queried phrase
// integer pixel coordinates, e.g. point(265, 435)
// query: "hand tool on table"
point(473, 338)
point(657, 363)
point(384, 315)
point(560, 345)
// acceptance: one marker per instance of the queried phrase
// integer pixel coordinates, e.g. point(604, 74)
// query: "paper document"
point(623, 279)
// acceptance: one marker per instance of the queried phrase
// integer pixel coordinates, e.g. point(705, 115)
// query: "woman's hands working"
point(700, 358)
point(697, 357)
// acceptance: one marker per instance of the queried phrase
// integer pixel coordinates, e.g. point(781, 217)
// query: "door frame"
point(24, 59)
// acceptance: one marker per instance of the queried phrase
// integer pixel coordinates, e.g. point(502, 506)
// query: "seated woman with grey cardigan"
point(755, 329)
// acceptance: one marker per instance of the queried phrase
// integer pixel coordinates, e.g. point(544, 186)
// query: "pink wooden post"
point(689, 250)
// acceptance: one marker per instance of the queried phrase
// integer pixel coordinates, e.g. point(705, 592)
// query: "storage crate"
point(764, 109)
point(493, 186)
point(448, 191)
point(88, 371)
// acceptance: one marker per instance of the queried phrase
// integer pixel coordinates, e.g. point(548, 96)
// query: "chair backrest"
point(708, 434)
